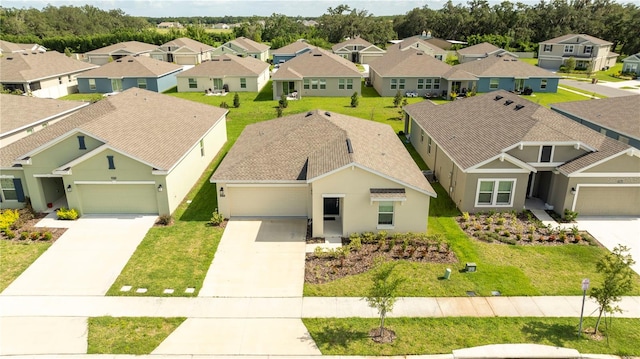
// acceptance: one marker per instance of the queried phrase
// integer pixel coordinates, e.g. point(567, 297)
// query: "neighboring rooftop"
point(481, 48)
point(132, 66)
point(293, 48)
point(7, 47)
point(504, 66)
point(249, 45)
point(317, 62)
point(23, 67)
point(355, 41)
point(228, 65)
point(411, 62)
point(193, 45)
point(131, 47)
point(563, 38)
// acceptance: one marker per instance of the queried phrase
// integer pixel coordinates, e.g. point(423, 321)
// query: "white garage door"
point(118, 198)
point(608, 201)
point(268, 201)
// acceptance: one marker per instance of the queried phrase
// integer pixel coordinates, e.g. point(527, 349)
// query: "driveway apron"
point(611, 231)
point(86, 259)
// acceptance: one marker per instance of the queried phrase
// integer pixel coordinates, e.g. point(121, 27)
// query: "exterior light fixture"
point(222, 192)
point(68, 188)
point(573, 190)
point(159, 188)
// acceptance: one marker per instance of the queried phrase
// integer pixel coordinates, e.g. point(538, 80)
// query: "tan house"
point(24, 115)
point(7, 47)
point(227, 72)
point(317, 73)
point(481, 51)
point(41, 74)
point(169, 25)
point(358, 50)
point(183, 51)
point(496, 150)
point(343, 173)
point(585, 49)
point(420, 43)
point(113, 52)
point(244, 47)
point(135, 152)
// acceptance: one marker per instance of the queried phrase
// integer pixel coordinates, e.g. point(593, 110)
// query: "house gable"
point(623, 163)
point(61, 150)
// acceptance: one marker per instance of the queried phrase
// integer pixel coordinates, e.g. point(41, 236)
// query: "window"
point(35, 86)
point(603, 131)
point(545, 153)
point(349, 84)
point(623, 139)
point(202, 148)
point(243, 83)
point(217, 84)
point(60, 80)
point(341, 84)
point(306, 84)
point(439, 57)
point(543, 84)
point(314, 84)
point(323, 84)
point(588, 49)
point(385, 213)
point(29, 130)
point(112, 165)
point(497, 192)
point(8, 187)
point(421, 135)
point(394, 84)
point(548, 48)
point(429, 145)
point(81, 144)
point(92, 84)
point(493, 83)
point(68, 78)
point(401, 84)
point(193, 83)
point(568, 49)
point(142, 83)
point(436, 84)
point(420, 84)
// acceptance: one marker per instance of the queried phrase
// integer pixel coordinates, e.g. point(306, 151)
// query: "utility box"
point(470, 267)
point(447, 273)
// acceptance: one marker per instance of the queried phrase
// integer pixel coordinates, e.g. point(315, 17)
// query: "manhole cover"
point(495, 293)
point(471, 293)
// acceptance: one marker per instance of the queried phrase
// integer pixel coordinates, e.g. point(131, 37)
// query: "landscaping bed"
point(24, 229)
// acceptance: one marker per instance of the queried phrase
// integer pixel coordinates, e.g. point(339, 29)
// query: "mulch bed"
point(388, 335)
point(26, 223)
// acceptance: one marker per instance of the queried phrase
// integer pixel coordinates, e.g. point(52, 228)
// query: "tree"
point(570, 64)
point(618, 280)
point(284, 103)
point(382, 294)
point(397, 99)
point(236, 100)
point(354, 99)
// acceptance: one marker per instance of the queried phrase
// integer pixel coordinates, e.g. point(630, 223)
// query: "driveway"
point(258, 258)
point(611, 231)
point(602, 89)
point(86, 259)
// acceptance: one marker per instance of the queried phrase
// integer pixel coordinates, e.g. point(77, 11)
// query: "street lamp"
point(585, 286)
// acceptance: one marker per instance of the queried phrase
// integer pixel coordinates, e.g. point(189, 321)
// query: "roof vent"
point(419, 53)
point(349, 146)
point(508, 102)
point(518, 107)
point(328, 114)
point(308, 114)
point(129, 60)
point(118, 60)
point(317, 55)
point(498, 98)
point(9, 58)
point(226, 59)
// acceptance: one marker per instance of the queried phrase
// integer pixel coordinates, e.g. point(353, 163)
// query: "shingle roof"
point(317, 62)
point(132, 66)
point(250, 45)
point(411, 62)
point(458, 74)
point(10, 47)
point(20, 111)
point(133, 47)
point(563, 38)
point(504, 66)
point(621, 114)
point(193, 45)
point(479, 128)
point(354, 41)
point(410, 41)
point(481, 48)
point(31, 66)
point(227, 65)
point(632, 58)
point(155, 128)
point(292, 48)
point(305, 146)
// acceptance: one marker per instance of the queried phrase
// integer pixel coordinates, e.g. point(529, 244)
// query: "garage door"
point(185, 60)
point(268, 201)
point(118, 198)
point(552, 64)
point(608, 201)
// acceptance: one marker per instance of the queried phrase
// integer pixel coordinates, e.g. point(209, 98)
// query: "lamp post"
point(585, 286)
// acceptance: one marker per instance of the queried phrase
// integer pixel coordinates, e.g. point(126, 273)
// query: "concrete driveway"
point(611, 231)
point(258, 258)
point(602, 89)
point(86, 259)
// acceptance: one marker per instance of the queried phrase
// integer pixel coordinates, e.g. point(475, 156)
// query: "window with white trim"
point(92, 84)
point(385, 213)
point(543, 84)
point(314, 84)
point(548, 48)
point(545, 153)
point(8, 189)
point(588, 49)
point(436, 84)
point(306, 84)
point(420, 84)
point(243, 83)
point(201, 148)
point(568, 49)
point(498, 192)
point(193, 83)
point(142, 83)
point(323, 84)
point(428, 145)
point(421, 135)
point(494, 82)
point(397, 84)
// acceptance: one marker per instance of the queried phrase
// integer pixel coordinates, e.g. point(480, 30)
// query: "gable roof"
point(565, 39)
point(481, 48)
point(193, 45)
point(441, 43)
point(249, 45)
point(132, 66)
point(632, 58)
point(19, 112)
point(292, 48)
point(316, 62)
point(468, 132)
point(32, 66)
point(418, 41)
point(354, 41)
point(306, 146)
point(621, 114)
point(10, 47)
point(411, 62)
point(154, 128)
point(504, 66)
point(132, 47)
point(227, 65)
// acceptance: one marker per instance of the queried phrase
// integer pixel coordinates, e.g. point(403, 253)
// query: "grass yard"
point(349, 336)
point(547, 98)
point(600, 75)
point(123, 335)
point(16, 257)
point(532, 61)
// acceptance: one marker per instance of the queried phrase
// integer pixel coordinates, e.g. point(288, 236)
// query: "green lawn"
point(349, 336)
point(16, 256)
point(600, 75)
point(123, 335)
point(547, 98)
point(533, 61)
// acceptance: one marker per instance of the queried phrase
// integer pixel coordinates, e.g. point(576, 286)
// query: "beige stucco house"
point(480, 51)
point(241, 46)
point(230, 72)
point(358, 50)
point(493, 151)
point(135, 152)
point(343, 173)
point(113, 52)
point(317, 73)
point(183, 51)
point(585, 49)
point(422, 44)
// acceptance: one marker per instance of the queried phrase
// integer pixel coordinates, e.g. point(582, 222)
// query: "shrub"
point(24, 235)
point(67, 214)
point(224, 104)
point(236, 100)
point(283, 102)
point(570, 215)
point(382, 234)
point(35, 235)
point(500, 221)
point(355, 243)
point(397, 99)
point(164, 220)
point(368, 237)
point(279, 110)
point(8, 218)
point(47, 236)
point(466, 216)
point(10, 234)
point(216, 218)
point(354, 99)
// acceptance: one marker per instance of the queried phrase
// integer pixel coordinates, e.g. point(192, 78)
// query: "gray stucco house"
point(631, 64)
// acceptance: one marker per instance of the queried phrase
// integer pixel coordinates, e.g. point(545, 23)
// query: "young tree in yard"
point(618, 280)
point(354, 99)
point(382, 294)
point(570, 64)
point(397, 99)
point(236, 100)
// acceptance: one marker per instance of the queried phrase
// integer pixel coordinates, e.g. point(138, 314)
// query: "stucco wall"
point(471, 187)
point(18, 174)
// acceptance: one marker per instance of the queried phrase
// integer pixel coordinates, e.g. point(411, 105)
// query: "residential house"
point(183, 51)
point(414, 71)
point(480, 51)
point(290, 51)
point(494, 151)
point(135, 152)
point(241, 46)
point(117, 51)
point(7, 47)
point(228, 72)
point(504, 72)
point(631, 64)
point(169, 25)
point(317, 73)
point(358, 50)
point(616, 117)
point(41, 74)
point(344, 174)
point(585, 49)
point(419, 43)
point(24, 115)
point(309, 23)
point(127, 72)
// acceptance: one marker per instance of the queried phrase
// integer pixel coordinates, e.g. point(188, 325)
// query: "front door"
point(116, 85)
point(217, 84)
point(519, 85)
point(331, 207)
